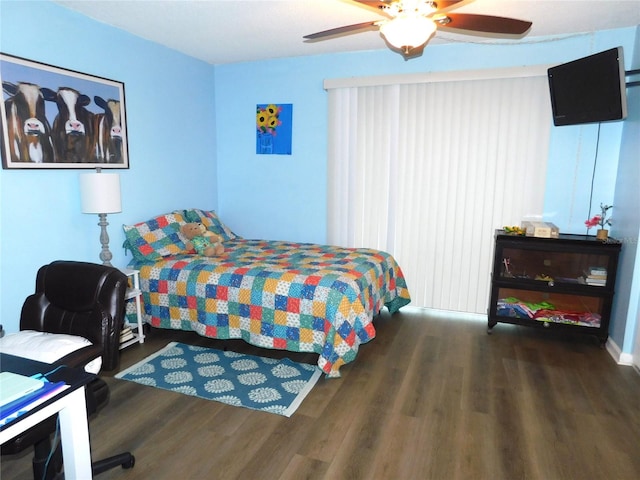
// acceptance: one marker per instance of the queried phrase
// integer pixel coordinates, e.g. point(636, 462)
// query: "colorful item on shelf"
point(600, 219)
point(544, 312)
point(587, 319)
point(514, 230)
point(543, 277)
point(513, 307)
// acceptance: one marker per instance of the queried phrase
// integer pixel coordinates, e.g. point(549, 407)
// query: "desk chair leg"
point(49, 466)
point(125, 459)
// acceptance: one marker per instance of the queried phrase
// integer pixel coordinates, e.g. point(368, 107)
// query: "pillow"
point(46, 347)
point(155, 238)
point(211, 221)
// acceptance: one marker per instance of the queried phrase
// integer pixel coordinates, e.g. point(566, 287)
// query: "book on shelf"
point(598, 282)
point(126, 334)
point(596, 272)
point(595, 276)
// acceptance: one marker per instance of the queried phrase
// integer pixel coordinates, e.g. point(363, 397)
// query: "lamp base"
point(105, 253)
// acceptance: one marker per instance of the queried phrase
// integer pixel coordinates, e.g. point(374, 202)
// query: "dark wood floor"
point(429, 398)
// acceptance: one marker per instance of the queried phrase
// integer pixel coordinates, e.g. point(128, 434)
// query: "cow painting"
point(54, 118)
point(28, 130)
point(72, 131)
point(107, 129)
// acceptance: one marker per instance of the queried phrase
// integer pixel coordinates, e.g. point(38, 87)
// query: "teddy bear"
point(202, 240)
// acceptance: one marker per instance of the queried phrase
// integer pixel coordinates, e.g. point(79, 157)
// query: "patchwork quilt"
point(273, 294)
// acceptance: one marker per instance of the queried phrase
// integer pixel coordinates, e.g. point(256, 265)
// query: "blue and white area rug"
point(270, 385)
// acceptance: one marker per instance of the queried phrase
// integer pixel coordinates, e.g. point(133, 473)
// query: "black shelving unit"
point(560, 284)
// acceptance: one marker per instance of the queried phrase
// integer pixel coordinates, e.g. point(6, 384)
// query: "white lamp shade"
point(408, 31)
point(100, 192)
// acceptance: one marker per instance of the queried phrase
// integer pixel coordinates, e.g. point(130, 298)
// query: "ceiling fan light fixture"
point(441, 19)
point(408, 31)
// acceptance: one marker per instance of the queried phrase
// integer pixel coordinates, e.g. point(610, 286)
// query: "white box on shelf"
point(540, 229)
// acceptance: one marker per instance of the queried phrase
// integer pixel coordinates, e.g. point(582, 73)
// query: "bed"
point(291, 296)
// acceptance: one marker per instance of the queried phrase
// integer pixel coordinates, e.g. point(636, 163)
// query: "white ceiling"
point(229, 31)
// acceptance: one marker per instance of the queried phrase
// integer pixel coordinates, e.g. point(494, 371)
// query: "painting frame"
point(56, 118)
point(274, 128)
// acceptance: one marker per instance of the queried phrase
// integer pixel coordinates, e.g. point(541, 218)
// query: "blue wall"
point(184, 156)
point(626, 311)
point(171, 128)
point(284, 197)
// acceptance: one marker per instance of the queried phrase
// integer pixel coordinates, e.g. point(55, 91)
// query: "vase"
point(265, 143)
point(602, 234)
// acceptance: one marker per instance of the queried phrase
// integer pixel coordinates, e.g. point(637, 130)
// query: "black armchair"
point(85, 300)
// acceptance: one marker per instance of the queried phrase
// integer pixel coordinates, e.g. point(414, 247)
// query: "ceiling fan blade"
point(342, 30)
point(484, 23)
point(374, 3)
point(442, 4)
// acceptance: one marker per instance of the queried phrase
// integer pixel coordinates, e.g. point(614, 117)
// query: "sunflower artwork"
point(273, 129)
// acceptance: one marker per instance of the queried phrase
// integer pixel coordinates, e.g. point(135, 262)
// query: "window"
point(428, 170)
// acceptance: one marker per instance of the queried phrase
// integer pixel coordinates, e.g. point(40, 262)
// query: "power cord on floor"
point(54, 447)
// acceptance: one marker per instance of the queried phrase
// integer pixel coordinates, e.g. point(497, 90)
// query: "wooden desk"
point(71, 407)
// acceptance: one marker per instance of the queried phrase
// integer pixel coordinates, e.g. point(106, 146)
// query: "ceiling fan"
point(411, 23)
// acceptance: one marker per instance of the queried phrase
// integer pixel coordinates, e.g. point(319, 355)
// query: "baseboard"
point(617, 354)
point(435, 312)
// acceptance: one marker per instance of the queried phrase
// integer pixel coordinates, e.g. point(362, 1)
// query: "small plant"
point(600, 219)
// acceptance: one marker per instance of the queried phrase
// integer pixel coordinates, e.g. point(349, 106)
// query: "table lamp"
point(100, 193)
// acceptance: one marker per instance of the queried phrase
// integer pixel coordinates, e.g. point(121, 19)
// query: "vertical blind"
point(427, 172)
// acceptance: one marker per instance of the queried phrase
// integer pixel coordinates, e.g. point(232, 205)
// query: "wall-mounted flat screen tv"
point(589, 90)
